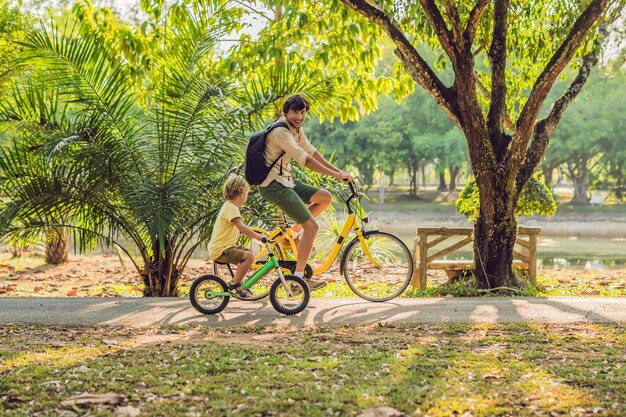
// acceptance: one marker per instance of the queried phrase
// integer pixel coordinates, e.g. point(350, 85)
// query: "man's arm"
point(319, 158)
point(326, 168)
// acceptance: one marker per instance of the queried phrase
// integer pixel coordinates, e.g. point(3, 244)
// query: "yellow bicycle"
point(376, 265)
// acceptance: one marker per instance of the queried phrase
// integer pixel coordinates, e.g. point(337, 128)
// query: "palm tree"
point(135, 168)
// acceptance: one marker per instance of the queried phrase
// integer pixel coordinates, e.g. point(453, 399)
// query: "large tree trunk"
point(547, 174)
point(493, 251)
point(581, 196)
point(56, 246)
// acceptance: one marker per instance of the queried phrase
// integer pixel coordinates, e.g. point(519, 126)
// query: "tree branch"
point(544, 128)
point(474, 18)
point(413, 63)
point(508, 122)
point(497, 56)
point(242, 4)
point(455, 21)
point(544, 83)
point(439, 24)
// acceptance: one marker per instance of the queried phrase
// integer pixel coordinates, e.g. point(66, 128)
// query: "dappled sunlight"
point(484, 313)
point(434, 370)
point(54, 357)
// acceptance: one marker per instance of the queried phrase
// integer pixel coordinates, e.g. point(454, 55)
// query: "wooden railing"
point(525, 257)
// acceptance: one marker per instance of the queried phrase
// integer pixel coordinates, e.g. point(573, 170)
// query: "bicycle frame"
point(350, 224)
point(272, 263)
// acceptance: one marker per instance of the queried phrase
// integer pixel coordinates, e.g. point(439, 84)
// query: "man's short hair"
point(295, 102)
point(234, 186)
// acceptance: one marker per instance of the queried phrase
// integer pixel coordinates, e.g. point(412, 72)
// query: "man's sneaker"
point(315, 284)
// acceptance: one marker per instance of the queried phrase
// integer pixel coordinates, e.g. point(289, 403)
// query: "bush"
point(536, 198)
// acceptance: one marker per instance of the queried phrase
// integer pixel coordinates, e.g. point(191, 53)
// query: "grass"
point(434, 370)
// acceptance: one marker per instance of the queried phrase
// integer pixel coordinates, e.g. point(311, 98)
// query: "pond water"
point(563, 252)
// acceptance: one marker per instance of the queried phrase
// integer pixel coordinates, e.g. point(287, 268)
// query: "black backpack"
point(255, 169)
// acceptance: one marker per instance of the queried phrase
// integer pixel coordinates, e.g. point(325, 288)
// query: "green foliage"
point(536, 198)
point(14, 25)
point(393, 137)
point(133, 161)
point(323, 42)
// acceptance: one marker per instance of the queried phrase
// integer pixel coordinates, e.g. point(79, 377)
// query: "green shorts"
point(292, 201)
point(232, 255)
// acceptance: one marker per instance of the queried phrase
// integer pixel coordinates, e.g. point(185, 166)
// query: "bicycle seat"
point(230, 270)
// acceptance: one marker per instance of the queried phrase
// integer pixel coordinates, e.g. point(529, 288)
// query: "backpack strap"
point(269, 129)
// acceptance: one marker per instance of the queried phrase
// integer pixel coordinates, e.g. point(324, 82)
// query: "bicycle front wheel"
point(293, 301)
point(380, 270)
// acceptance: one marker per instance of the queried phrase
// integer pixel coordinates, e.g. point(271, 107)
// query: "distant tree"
point(589, 142)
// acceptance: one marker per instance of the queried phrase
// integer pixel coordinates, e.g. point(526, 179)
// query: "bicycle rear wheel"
point(202, 294)
point(261, 288)
point(382, 276)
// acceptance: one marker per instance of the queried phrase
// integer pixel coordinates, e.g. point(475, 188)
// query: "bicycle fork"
point(272, 259)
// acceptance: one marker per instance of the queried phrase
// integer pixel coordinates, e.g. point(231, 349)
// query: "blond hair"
point(234, 186)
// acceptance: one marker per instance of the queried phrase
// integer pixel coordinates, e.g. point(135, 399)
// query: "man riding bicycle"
point(290, 195)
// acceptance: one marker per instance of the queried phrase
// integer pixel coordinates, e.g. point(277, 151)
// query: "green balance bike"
point(289, 294)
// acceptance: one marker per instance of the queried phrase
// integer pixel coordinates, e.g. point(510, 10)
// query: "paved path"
point(321, 311)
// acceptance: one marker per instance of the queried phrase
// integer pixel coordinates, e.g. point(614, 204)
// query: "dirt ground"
point(102, 275)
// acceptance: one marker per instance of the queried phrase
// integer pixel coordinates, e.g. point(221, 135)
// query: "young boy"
point(228, 225)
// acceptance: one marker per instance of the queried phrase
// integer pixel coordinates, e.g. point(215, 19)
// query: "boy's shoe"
point(240, 291)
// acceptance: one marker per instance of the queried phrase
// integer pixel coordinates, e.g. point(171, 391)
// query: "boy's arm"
point(245, 229)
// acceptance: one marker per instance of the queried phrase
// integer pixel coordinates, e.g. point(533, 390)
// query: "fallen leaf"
point(128, 411)
point(240, 407)
point(382, 412)
point(86, 398)
point(56, 385)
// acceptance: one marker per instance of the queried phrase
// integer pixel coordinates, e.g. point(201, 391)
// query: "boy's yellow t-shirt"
point(225, 233)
